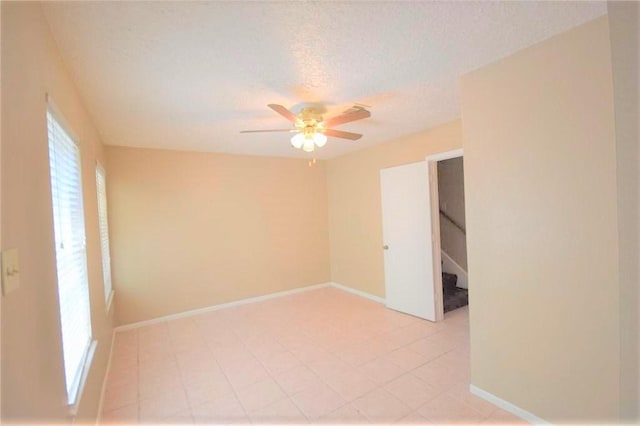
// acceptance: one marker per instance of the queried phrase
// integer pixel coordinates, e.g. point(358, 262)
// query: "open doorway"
point(446, 181)
point(416, 227)
point(453, 234)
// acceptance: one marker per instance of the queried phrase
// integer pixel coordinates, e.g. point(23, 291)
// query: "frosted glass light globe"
point(320, 139)
point(308, 145)
point(297, 140)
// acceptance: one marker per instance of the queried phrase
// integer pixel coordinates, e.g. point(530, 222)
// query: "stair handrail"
point(456, 224)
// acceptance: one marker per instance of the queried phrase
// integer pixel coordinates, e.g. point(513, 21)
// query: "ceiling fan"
point(311, 129)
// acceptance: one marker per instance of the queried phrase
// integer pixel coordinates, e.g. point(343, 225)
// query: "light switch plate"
point(10, 271)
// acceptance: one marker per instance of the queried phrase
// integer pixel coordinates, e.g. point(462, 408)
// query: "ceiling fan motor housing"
point(309, 121)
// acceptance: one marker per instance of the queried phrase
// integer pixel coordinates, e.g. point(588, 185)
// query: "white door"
point(408, 255)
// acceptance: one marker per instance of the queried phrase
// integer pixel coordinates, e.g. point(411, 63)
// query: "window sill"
point(110, 301)
point(73, 405)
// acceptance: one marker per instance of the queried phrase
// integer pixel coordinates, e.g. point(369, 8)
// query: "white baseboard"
point(507, 406)
point(360, 293)
point(451, 266)
point(105, 378)
point(240, 302)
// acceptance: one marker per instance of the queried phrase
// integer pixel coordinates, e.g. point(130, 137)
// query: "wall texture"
point(540, 181)
point(355, 210)
point(625, 39)
point(33, 387)
point(1, 244)
point(190, 230)
point(451, 196)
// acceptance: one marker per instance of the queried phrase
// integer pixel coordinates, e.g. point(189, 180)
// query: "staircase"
point(454, 297)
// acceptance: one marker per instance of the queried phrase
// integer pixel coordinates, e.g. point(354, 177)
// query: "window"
point(101, 184)
point(71, 258)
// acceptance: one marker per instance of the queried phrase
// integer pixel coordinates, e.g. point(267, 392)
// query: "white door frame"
point(432, 164)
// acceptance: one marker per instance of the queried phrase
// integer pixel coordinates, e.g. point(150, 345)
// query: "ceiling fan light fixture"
point(320, 139)
point(308, 145)
point(311, 129)
point(297, 140)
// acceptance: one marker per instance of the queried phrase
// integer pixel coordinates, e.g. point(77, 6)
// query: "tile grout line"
point(138, 364)
point(283, 391)
point(233, 388)
point(381, 386)
point(105, 381)
point(182, 382)
point(274, 379)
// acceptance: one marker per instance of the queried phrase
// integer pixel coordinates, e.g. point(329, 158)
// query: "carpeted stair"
point(454, 297)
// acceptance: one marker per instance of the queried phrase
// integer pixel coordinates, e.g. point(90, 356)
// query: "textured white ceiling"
point(191, 75)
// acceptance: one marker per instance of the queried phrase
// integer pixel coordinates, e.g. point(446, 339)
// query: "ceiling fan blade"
point(283, 112)
point(269, 130)
point(346, 118)
point(342, 134)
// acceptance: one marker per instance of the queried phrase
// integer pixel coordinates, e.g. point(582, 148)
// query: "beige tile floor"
point(323, 356)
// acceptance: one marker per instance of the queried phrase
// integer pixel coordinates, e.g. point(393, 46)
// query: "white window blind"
point(71, 259)
point(104, 230)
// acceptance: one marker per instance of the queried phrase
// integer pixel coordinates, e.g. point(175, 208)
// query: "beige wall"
point(451, 197)
point(625, 36)
point(540, 182)
point(355, 210)
point(1, 245)
point(33, 387)
point(190, 230)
